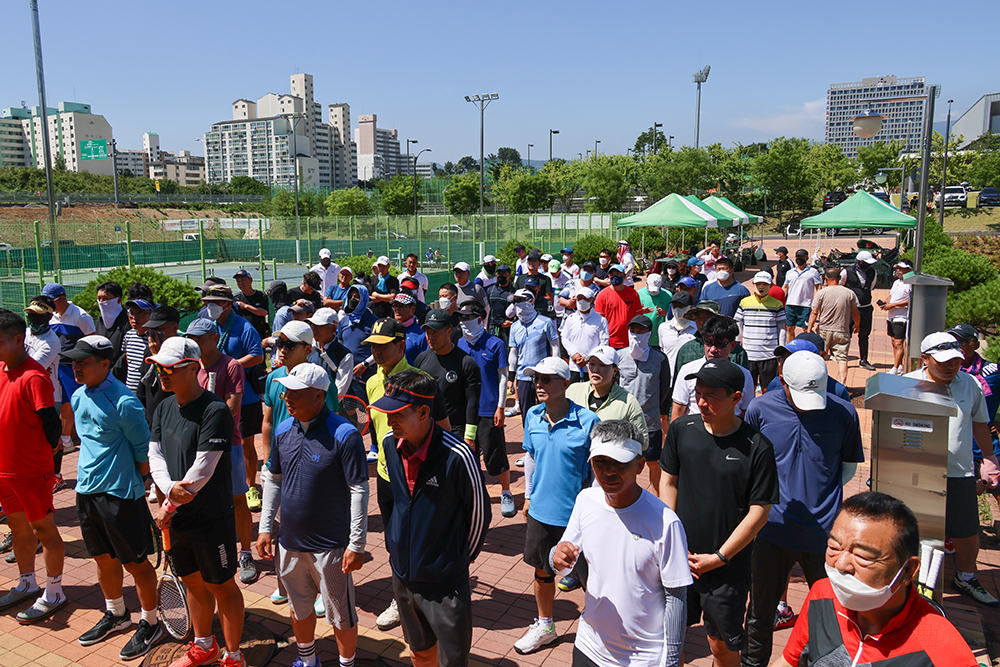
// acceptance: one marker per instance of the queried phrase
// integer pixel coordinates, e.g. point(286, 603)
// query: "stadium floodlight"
point(700, 77)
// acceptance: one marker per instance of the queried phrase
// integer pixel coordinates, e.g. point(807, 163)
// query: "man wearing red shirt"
point(868, 612)
point(31, 428)
point(618, 306)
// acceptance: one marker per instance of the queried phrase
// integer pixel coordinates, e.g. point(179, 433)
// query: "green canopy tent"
point(859, 211)
point(675, 210)
point(723, 204)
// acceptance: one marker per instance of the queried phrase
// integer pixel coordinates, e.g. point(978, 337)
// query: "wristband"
point(724, 560)
point(470, 431)
point(170, 507)
point(511, 376)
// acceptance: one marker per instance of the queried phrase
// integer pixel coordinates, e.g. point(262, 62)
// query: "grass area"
point(971, 219)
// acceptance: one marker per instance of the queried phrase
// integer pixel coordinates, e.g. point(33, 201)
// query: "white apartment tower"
point(378, 150)
point(900, 101)
point(69, 125)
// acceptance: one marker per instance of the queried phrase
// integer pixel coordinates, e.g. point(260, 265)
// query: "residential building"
point(11, 143)
point(184, 169)
point(982, 117)
point(132, 161)
point(901, 103)
point(343, 150)
point(378, 150)
point(69, 125)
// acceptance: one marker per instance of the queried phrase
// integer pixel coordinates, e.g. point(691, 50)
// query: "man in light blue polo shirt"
point(532, 338)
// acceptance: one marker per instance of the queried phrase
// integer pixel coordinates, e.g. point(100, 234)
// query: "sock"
point(782, 605)
point(116, 607)
point(235, 656)
point(66, 441)
point(27, 583)
point(204, 642)
point(347, 662)
point(307, 653)
point(547, 622)
point(965, 576)
point(53, 590)
point(506, 492)
point(150, 616)
point(244, 553)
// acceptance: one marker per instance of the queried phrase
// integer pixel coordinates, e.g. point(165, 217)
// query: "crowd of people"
point(719, 393)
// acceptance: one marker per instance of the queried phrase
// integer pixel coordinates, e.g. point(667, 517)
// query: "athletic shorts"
point(493, 446)
point(837, 344)
point(31, 495)
point(722, 598)
point(763, 371)
point(239, 471)
point(251, 419)
point(539, 538)
point(655, 448)
point(211, 550)
point(67, 382)
point(797, 316)
point(442, 618)
point(896, 330)
point(114, 526)
point(961, 513)
point(306, 575)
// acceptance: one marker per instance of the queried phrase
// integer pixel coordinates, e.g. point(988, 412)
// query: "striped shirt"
point(135, 355)
point(762, 319)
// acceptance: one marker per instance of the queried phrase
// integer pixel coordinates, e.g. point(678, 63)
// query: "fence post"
point(128, 243)
point(387, 247)
point(24, 287)
point(274, 269)
point(309, 240)
point(38, 255)
point(201, 243)
point(351, 228)
point(298, 242)
point(260, 245)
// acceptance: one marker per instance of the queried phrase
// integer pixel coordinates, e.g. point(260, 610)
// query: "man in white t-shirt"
point(678, 329)
point(897, 315)
point(801, 283)
point(633, 615)
point(719, 336)
point(413, 271)
point(327, 270)
point(568, 266)
point(41, 342)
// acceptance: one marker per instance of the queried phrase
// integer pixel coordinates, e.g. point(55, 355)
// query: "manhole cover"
point(258, 645)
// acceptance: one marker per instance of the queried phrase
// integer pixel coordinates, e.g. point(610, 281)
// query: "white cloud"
point(805, 121)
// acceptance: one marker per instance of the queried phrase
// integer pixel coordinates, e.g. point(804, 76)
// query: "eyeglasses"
point(468, 318)
point(286, 344)
point(170, 370)
point(546, 379)
point(944, 346)
point(717, 344)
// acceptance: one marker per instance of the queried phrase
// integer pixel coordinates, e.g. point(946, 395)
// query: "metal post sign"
point(94, 149)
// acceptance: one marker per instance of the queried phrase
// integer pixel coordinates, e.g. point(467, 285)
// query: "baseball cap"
point(523, 293)
point(762, 277)
point(39, 308)
point(605, 354)
point(554, 265)
point(489, 259)
point(711, 306)
point(720, 373)
point(162, 314)
point(403, 299)
point(535, 253)
point(642, 321)
point(141, 304)
point(462, 266)
point(325, 253)
point(549, 366)
point(275, 284)
point(323, 316)
point(504, 267)
point(217, 293)
point(349, 270)
point(567, 251)
point(964, 331)
point(297, 332)
point(653, 283)
point(805, 374)
point(695, 261)
point(306, 376)
point(91, 346)
point(583, 293)
point(622, 451)
point(201, 326)
point(616, 267)
point(531, 281)
point(813, 338)
point(688, 281)
point(801, 252)
point(547, 257)
point(682, 299)
point(176, 350)
point(942, 346)
point(53, 290)
point(796, 345)
point(382, 261)
point(396, 398)
point(866, 257)
point(519, 247)
point(903, 264)
point(437, 320)
point(303, 306)
point(386, 331)
point(242, 273)
point(589, 265)
point(781, 248)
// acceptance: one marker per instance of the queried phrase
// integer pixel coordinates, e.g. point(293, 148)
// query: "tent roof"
point(673, 211)
point(723, 204)
point(858, 211)
point(724, 217)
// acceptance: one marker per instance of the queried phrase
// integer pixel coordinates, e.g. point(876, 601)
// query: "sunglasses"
point(468, 318)
point(945, 346)
point(717, 344)
point(546, 379)
point(170, 370)
point(286, 344)
point(156, 335)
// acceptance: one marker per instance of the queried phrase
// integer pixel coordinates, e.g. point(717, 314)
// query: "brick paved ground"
point(503, 604)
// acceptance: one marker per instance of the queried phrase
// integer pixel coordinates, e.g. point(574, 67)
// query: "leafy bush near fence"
point(589, 247)
point(646, 240)
point(964, 269)
point(166, 290)
point(508, 256)
point(361, 264)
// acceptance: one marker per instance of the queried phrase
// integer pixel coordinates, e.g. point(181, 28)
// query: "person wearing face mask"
point(817, 446)
point(761, 319)
point(694, 271)
point(532, 338)
point(860, 279)
point(677, 330)
point(725, 290)
point(645, 374)
point(468, 291)
point(586, 282)
point(868, 612)
point(113, 321)
point(627, 260)
point(603, 267)
point(543, 290)
point(560, 282)
point(41, 341)
point(801, 283)
point(498, 294)
point(447, 298)
point(488, 275)
point(569, 267)
point(582, 331)
point(653, 296)
point(671, 275)
point(619, 305)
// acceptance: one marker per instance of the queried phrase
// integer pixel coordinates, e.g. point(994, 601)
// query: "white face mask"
point(109, 310)
point(671, 272)
point(639, 345)
point(444, 303)
point(723, 276)
point(583, 305)
point(471, 329)
point(214, 311)
point(525, 311)
point(857, 595)
point(679, 313)
point(605, 261)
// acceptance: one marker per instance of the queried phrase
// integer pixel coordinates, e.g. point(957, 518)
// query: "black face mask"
point(801, 261)
point(490, 268)
point(38, 323)
point(352, 303)
point(503, 280)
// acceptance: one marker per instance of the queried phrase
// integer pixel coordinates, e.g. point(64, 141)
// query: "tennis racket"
point(354, 410)
point(171, 599)
point(155, 557)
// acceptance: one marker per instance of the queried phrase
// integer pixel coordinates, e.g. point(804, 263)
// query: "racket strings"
point(172, 607)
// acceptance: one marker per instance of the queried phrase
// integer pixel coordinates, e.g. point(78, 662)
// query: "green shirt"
point(661, 300)
point(618, 404)
point(695, 349)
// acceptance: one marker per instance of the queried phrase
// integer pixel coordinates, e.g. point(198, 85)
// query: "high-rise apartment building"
point(69, 125)
point(184, 169)
point(11, 143)
point(378, 151)
point(901, 102)
point(131, 163)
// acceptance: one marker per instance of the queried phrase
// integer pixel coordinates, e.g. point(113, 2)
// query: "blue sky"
point(593, 70)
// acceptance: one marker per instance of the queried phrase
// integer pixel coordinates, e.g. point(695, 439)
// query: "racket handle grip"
point(166, 539)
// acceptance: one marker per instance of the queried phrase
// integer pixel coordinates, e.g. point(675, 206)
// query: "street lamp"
point(529, 157)
point(655, 127)
point(700, 77)
point(295, 156)
point(670, 142)
point(426, 150)
point(944, 167)
point(408, 142)
point(595, 146)
point(481, 101)
point(581, 156)
point(551, 132)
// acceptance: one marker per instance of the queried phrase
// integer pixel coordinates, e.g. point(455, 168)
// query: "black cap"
point(720, 373)
point(386, 331)
point(437, 320)
point(535, 253)
point(471, 308)
point(781, 248)
point(505, 268)
point(642, 321)
point(161, 316)
point(589, 265)
point(964, 331)
point(671, 262)
point(801, 252)
point(274, 284)
point(519, 247)
point(682, 299)
point(91, 346)
point(813, 338)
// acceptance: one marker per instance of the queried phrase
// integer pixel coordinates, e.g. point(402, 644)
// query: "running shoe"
point(512, 412)
point(568, 584)
point(226, 661)
point(109, 623)
point(867, 365)
point(520, 462)
point(784, 617)
point(248, 569)
point(58, 483)
point(277, 597)
point(974, 590)
point(538, 635)
point(7, 544)
point(143, 640)
point(372, 457)
point(389, 618)
point(196, 655)
point(507, 508)
point(253, 499)
point(949, 546)
point(319, 606)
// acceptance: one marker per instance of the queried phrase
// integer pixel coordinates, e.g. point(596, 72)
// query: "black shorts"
point(764, 371)
point(251, 418)
point(896, 330)
point(961, 513)
point(442, 618)
point(114, 526)
point(655, 448)
point(211, 550)
point(492, 444)
point(722, 597)
point(539, 538)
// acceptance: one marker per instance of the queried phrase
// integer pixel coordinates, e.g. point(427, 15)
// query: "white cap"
point(806, 376)
point(489, 259)
point(762, 277)
point(621, 451)
point(606, 354)
point(549, 366)
point(306, 376)
point(177, 350)
point(325, 252)
point(382, 261)
point(546, 257)
point(321, 317)
point(462, 266)
point(349, 270)
point(298, 331)
point(940, 347)
point(866, 257)
point(584, 293)
point(653, 283)
point(525, 293)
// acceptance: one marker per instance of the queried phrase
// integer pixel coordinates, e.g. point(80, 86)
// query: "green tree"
point(876, 157)
point(397, 195)
point(462, 196)
point(244, 185)
point(59, 162)
point(605, 185)
point(467, 163)
point(985, 168)
point(171, 291)
point(831, 169)
point(687, 171)
point(783, 173)
point(511, 155)
point(522, 191)
point(644, 143)
point(283, 203)
point(564, 179)
point(449, 167)
point(350, 201)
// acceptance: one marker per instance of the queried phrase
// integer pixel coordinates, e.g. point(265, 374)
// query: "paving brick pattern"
point(503, 602)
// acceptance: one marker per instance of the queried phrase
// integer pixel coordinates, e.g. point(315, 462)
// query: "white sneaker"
point(520, 462)
point(512, 412)
point(538, 635)
point(152, 493)
point(389, 618)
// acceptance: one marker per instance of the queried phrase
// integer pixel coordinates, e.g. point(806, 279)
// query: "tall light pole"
point(944, 167)
point(46, 147)
point(529, 157)
point(408, 142)
point(551, 132)
point(595, 146)
point(481, 101)
point(670, 142)
point(295, 156)
point(426, 150)
point(655, 127)
point(700, 77)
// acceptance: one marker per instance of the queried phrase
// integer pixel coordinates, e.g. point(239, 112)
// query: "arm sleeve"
point(345, 374)
point(202, 469)
point(272, 500)
point(674, 625)
point(502, 391)
point(605, 332)
point(529, 473)
point(473, 389)
point(52, 425)
point(359, 517)
point(665, 385)
point(158, 468)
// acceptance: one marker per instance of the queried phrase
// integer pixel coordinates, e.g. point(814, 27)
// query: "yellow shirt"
point(375, 388)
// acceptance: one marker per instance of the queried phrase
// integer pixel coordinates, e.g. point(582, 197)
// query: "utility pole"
point(700, 77)
point(46, 147)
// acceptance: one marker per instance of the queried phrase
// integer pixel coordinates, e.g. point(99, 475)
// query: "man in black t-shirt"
point(308, 290)
point(543, 290)
point(457, 375)
point(191, 437)
point(721, 478)
point(497, 293)
point(251, 303)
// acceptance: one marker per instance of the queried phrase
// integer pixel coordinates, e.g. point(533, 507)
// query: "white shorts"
point(306, 575)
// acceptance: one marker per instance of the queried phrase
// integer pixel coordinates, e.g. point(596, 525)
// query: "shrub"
point(362, 264)
point(979, 306)
point(653, 243)
point(508, 256)
point(589, 248)
point(166, 290)
point(964, 269)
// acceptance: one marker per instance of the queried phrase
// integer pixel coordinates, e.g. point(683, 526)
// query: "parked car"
point(875, 231)
point(63, 243)
point(988, 197)
point(832, 198)
point(393, 236)
point(6, 246)
point(883, 196)
point(954, 195)
point(191, 237)
point(453, 230)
